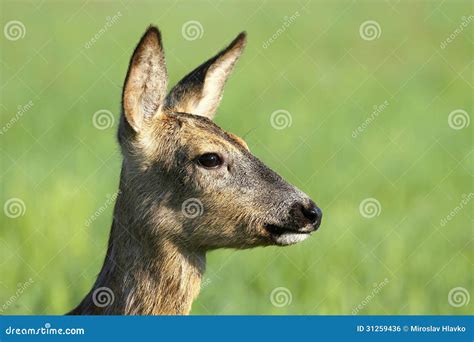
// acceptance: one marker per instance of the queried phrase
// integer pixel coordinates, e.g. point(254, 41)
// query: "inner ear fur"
point(146, 82)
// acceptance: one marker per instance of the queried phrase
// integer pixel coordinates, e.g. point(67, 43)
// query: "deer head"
point(199, 184)
point(186, 187)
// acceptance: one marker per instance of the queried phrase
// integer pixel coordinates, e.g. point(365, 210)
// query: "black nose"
point(312, 213)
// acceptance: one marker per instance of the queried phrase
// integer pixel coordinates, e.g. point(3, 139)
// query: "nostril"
point(312, 213)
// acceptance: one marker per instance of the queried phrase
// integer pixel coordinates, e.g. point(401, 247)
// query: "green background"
point(320, 70)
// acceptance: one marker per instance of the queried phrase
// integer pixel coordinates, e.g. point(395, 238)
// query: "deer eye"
point(210, 160)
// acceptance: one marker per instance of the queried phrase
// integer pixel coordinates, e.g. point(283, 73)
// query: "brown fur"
point(156, 252)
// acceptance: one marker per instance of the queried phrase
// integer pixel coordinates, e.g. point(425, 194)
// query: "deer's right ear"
point(146, 82)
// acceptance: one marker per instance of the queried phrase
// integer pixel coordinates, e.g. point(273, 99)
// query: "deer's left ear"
point(200, 92)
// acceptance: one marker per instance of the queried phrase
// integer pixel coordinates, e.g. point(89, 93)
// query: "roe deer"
point(175, 156)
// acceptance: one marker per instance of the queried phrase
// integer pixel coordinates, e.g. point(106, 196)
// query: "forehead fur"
point(208, 130)
point(171, 132)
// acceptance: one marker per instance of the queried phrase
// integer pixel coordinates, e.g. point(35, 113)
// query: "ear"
point(146, 82)
point(200, 92)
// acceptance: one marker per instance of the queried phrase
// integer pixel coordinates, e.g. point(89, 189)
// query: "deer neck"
point(147, 276)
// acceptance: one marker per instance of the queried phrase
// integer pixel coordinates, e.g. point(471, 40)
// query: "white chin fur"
point(290, 239)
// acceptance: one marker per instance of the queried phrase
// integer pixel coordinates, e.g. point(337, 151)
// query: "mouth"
point(285, 236)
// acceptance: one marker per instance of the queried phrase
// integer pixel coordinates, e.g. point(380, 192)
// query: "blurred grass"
point(325, 75)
